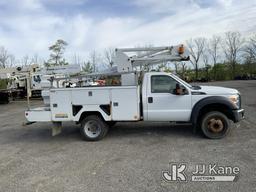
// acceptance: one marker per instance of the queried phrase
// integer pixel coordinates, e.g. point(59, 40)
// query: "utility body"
point(158, 97)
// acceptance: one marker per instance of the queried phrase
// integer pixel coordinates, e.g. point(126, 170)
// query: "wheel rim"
point(92, 129)
point(215, 125)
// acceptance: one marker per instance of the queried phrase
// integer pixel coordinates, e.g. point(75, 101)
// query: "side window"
point(162, 84)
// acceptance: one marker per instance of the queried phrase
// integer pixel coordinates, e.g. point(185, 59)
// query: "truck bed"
point(115, 103)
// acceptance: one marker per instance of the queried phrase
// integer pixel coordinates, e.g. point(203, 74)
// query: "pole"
point(28, 90)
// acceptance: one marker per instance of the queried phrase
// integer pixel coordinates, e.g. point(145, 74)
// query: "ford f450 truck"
point(160, 97)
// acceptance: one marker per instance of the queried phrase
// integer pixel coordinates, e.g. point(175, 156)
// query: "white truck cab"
point(161, 100)
point(160, 97)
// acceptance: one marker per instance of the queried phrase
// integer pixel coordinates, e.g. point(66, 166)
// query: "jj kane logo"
point(176, 172)
point(200, 172)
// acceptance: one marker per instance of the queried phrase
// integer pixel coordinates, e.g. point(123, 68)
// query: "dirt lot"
point(131, 157)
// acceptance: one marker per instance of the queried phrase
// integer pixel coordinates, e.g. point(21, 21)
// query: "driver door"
point(163, 104)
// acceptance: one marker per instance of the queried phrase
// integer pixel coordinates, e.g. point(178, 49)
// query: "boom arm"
point(148, 56)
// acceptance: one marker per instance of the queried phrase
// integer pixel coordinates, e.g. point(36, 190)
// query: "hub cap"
point(92, 129)
point(215, 125)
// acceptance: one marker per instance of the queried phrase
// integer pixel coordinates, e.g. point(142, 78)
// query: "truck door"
point(163, 103)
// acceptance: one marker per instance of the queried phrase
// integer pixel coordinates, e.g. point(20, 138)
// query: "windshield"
point(195, 87)
point(182, 81)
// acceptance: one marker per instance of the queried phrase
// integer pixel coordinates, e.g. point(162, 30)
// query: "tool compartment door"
point(125, 104)
point(90, 96)
point(60, 102)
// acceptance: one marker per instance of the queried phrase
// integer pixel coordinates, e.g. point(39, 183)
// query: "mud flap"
point(56, 128)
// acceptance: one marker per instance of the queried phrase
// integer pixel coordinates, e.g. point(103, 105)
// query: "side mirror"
point(180, 90)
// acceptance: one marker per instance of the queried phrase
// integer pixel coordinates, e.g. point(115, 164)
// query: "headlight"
point(235, 99)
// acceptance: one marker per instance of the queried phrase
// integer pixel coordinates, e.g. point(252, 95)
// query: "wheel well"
point(87, 113)
point(216, 107)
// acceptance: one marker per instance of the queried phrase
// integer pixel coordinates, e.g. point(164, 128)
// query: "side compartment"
point(125, 104)
point(60, 104)
point(90, 96)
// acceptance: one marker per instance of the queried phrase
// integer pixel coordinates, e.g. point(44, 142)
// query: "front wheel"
point(93, 128)
point(215, 125)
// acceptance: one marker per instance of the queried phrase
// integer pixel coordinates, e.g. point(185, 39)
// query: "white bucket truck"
point(160, 97)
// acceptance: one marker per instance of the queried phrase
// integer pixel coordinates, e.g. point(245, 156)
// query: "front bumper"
point(238, 115)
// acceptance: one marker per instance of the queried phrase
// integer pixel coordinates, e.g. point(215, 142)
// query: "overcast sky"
point(28, 27)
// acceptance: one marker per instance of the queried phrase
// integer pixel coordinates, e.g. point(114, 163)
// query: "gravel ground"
point(130, 158)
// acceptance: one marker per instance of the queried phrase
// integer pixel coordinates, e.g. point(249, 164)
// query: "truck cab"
point(161, 101)
point(166, 97)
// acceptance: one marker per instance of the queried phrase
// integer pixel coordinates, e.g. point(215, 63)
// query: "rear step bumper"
point(40, 114)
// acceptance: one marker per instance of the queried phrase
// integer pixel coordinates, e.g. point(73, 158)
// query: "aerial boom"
point(148, 56)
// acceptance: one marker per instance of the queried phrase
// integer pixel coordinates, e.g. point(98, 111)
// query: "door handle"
point(150, 99)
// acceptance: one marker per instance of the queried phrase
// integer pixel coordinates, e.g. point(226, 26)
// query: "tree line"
point(221, 57)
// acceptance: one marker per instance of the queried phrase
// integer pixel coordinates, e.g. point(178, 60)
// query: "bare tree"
point(250, 48)
point(214, 46)
point(25, 61)
point(205, 59)
point(232, 46)
point(95, 59)
point(76, 59)
point(250, 54)
point(183, 69)
point(206, 63)
point(109, 54)
point(176, 66)
point(196, 48)
point(35, 59)
point(11, 61)
point(4, 56)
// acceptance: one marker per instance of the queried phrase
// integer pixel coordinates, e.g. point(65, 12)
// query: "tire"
point(215, 125)
point(93, 128)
